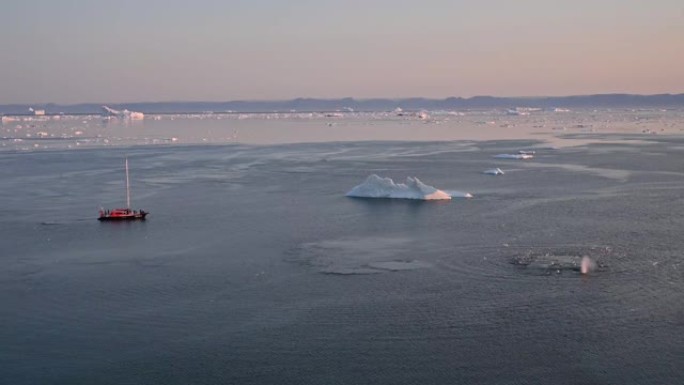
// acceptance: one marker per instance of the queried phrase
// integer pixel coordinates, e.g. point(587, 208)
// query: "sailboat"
point(123, 214)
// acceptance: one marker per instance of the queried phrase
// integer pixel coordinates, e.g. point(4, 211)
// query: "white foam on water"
point(359, 256)
point(587, 265)
point(398, 265)
point(617, 174)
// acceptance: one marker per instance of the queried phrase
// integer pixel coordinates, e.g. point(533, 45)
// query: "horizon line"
point(343, 98)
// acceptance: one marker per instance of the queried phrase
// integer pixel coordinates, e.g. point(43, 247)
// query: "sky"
point(75, 51)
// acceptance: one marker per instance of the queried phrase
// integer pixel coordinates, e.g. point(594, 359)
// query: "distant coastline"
point(352, 104)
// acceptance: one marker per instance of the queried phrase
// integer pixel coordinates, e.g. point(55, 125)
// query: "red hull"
point(122, 215)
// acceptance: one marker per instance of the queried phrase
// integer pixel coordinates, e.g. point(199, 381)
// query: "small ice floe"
point(377, 187)
point(493, 171)
point(514, 156)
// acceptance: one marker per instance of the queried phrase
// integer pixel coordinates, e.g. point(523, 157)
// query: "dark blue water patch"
point(249, 284)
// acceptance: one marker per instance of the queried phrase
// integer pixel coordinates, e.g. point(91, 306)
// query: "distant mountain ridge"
point(378, 104)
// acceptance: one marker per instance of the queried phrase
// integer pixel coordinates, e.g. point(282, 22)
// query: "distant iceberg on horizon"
point(125, 114)
point(377, 187)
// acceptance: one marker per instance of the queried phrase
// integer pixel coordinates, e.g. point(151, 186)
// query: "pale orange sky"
point(213, 50)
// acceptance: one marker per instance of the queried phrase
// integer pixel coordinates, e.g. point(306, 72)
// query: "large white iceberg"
point(377, 187)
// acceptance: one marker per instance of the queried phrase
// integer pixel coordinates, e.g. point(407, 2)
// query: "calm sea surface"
point(254, 268)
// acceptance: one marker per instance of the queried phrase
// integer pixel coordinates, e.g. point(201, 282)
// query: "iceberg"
point(517, 112)
point(378, 187)
point(125, 114)
point(514, 156)
point(493, 171)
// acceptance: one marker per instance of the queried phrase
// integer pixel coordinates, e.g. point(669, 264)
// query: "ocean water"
point(254, 268)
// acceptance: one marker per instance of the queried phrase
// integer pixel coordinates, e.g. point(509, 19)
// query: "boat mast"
point(128, 191)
